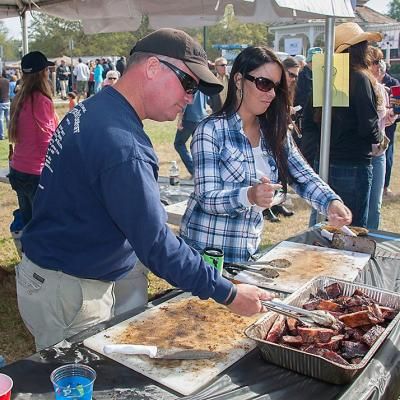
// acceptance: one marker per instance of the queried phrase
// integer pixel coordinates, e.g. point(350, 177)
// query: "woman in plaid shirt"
point(242, 155)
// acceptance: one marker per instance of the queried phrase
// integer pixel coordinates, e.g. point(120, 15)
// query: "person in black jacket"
point(121, 65)
point(354, 129)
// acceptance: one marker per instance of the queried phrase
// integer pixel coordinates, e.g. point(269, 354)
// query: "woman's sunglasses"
point(376, 62)
point(263, 84)
point(189, 85)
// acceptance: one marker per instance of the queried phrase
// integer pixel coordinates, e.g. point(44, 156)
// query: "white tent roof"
point(125, 15)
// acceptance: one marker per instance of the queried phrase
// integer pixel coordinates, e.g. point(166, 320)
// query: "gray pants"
point(55, 306)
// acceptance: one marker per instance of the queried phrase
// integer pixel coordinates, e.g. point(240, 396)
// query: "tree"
point(10, 47)
point(52, 36)
point(394, 9)
point(229, 31)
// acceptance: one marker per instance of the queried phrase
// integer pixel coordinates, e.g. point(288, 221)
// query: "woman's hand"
point(263, 193)
point(338, 214)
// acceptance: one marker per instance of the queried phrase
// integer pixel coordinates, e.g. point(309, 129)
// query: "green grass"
point(4, 153)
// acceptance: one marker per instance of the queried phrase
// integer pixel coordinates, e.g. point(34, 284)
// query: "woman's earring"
point(240, 93)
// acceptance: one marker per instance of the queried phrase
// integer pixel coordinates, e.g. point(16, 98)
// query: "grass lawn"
point(16, 342)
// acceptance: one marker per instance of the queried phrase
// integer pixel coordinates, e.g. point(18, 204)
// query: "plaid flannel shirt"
point(223, 163)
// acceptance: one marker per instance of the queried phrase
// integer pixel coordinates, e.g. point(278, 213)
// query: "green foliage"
point(10, 47)
point(394, 9)
point(229, 30)
point(52, 36)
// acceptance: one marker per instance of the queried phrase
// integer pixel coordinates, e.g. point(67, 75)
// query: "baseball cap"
point(34, 61)
point(311, 51)
point(177, 44)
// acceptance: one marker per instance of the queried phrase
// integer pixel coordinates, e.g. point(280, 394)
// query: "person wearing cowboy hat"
point(98, 208)
point(354, 129)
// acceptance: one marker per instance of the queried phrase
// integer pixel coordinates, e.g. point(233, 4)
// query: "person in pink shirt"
point(32, 124)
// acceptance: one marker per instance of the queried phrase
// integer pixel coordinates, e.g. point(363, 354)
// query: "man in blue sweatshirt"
point(98, 209)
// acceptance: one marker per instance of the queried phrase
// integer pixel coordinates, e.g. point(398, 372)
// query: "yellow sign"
point(340, 80)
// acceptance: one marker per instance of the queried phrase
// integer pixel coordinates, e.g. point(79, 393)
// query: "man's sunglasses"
point(189, 85)
point(111, 79)
point(263, 84)
point(292, 75)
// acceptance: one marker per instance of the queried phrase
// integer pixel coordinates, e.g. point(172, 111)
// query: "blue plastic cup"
point(73, 381)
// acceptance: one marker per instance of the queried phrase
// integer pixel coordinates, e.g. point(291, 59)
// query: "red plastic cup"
point(6, 384)
point(395, 91)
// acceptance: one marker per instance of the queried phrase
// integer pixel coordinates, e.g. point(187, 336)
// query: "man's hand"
point(263, 193)
point(247, 300)
point(338, 214)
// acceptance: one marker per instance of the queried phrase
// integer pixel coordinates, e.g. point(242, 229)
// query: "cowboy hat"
point(350, 33)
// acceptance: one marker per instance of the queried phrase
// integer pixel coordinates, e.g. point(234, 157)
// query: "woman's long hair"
point(274, 122)
point(31, 83)
point(360, 60)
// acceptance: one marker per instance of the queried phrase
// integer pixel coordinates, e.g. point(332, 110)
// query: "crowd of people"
point(87, 186)
point(87, 78)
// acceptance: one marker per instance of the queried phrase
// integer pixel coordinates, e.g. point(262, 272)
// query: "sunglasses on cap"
point(263, 84)
point(189, 85)
point(292, 75)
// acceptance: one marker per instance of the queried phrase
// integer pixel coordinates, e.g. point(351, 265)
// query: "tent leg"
point(327, 101)
point(24, 27)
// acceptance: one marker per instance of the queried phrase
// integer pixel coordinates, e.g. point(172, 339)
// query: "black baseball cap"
point(178, 44)
point(34, 61)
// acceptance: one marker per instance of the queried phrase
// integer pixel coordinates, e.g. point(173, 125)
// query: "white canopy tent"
point(99, 16)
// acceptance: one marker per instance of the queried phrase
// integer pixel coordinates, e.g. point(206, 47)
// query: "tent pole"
point(327, 100)
point(24, 27)
point(205, 38)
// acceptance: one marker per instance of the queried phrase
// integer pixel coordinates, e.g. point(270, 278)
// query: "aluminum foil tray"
point(314, 365)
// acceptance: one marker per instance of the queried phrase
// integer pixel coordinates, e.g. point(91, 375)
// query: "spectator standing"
point(63, 73)
point(390, 131)
point(4, 103)
point(13, 85)
point(121, 65)
point(92, 66)
point(105, 66)
point(218, 100)
point(98, 76)
point(32, 124)
point(386, 117)
point(187, 123)
point(82, 74)
point(304, 90)
point(354, 129)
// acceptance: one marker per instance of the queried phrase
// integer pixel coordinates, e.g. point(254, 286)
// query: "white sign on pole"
point(294, 46)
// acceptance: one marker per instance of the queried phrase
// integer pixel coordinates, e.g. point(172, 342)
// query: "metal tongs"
point(319, 317)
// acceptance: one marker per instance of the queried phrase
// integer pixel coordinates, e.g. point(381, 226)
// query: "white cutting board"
point(307, 262)
point(183, 376)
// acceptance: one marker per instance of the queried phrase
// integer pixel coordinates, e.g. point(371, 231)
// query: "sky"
point(14, 27)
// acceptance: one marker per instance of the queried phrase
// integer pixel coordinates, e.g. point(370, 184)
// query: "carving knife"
point(157, 352)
